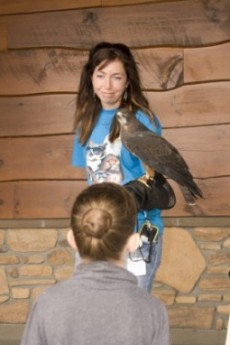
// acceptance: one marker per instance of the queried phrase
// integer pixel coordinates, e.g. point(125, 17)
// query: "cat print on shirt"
point(103, 161)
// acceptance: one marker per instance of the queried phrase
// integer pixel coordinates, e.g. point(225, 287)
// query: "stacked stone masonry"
point(193, 279)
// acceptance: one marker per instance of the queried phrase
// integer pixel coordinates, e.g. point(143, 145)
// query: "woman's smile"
point(109, 83)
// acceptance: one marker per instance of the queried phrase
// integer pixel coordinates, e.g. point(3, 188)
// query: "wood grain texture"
point(38, 199)
point(49, 157)
point(190, 105)
point(178, 23)
point(7, 201)
point(37, 158)
point(160, 68)
point(215, 202)
point(182, 49)
point(206, 149)
point(28, 6)
point(37, 115)
point(210, 63)
point(3, 36)
point(35, 71)
point(58, 70)
point(54, 199)
point(127, 2)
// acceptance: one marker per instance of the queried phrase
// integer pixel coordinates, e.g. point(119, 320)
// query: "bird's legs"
point(148, 176)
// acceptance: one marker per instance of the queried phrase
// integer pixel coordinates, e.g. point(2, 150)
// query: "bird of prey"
point(156, 154)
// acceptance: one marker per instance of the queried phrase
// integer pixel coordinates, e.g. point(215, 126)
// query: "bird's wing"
point(157, 153)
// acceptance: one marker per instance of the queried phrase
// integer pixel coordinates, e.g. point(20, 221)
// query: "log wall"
point(183, 52)
point(185, 75)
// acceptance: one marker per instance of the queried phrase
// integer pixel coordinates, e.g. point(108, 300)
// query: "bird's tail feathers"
point(191, 193)
point(189, 197)
point(189, 188)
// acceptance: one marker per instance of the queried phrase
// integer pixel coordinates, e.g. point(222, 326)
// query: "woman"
point(109, 80)
point(101, 304)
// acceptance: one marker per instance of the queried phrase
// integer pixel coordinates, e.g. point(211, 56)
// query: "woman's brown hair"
point(88, 105)
point(102, 219)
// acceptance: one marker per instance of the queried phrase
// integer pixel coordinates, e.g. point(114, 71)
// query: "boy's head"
point(103, 219)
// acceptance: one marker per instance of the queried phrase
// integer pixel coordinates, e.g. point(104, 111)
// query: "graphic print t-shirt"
point(112, 162)
point(103, 161)
point(106, 161)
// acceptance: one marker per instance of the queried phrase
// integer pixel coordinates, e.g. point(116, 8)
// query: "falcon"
point(156, 154)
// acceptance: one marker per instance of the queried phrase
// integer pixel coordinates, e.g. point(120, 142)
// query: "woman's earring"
point(125, 96)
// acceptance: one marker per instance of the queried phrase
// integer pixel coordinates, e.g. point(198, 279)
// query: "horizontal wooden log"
point(215, 201)
point(206, 150)
point(29, 200)
point(190, 105)
point(54, 199)
point(160, 68)
point(7, 196)
point(37, 158)
point(37, 115)
point(28, 6)
point(3, 36)
point(40, 70)
point(127, 2)
point(205, 63)
point(176, 23)
point(58, 70)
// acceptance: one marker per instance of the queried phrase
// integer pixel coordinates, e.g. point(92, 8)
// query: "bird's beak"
point(119, 115)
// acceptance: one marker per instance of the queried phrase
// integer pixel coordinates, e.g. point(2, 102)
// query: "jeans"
point(146, 281)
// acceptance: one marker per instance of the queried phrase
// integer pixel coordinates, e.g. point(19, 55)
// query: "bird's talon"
point(144, 179)
point(151, 178)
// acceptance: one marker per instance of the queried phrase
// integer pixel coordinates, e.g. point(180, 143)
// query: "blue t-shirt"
point(112, 162)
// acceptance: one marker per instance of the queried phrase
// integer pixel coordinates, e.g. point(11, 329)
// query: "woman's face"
point(109, 83)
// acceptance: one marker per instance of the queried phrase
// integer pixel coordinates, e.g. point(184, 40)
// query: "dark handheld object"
point(157, 193)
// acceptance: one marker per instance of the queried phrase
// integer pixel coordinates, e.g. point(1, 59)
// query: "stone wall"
point(193, 279)
point(31, 260)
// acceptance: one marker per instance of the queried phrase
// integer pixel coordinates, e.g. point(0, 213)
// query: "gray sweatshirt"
point(102, 305)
